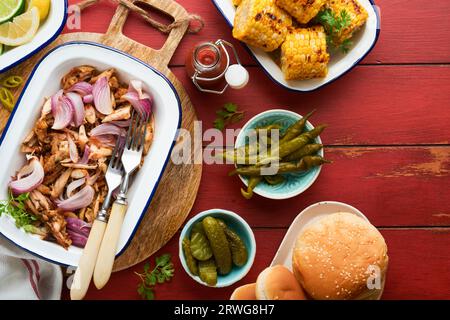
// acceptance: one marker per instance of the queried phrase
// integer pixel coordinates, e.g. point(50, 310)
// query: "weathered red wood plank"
point(418, 269)
point(392, 186)
point(398, 43)
point(370, 105)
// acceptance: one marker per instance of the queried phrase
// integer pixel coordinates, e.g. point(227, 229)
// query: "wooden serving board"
point(173, 200)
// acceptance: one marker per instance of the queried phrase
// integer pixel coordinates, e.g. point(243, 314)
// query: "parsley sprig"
point(162, 272)
point(15, 207)
point(228, 114)
point(334, 24)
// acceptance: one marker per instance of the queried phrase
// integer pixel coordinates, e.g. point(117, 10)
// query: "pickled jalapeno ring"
point(12, 82)
point(7, 98)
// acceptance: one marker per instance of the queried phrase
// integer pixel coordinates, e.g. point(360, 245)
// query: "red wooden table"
point(389, 138)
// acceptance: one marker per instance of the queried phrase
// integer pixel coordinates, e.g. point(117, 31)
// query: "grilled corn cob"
point(304, 54)
point(261, 23)
point(357, 15)
point(302, 10)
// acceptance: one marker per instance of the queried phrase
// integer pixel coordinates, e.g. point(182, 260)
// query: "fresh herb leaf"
point(15, 207)
point(163, 272)
point(334, 25)
point(228, 114)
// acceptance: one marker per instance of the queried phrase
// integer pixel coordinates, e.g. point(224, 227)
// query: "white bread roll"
point(278, 283)
point(333, 257)
point(246, 292)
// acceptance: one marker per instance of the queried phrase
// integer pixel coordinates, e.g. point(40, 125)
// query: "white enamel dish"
point(45, 81)
point(309, 215)
point(363, 42)
point(47, 32)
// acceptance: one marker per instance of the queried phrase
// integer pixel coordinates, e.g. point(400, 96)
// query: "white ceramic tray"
point(307, 216)
point(47, 32)
point(340, 64)
point(45, 81)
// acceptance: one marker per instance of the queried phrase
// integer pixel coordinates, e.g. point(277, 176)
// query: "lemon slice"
point(42, 5)
point(10, 8)
point(21, 30)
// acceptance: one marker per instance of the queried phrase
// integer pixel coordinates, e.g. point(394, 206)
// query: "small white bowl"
point(47, 32)
point(238, 225)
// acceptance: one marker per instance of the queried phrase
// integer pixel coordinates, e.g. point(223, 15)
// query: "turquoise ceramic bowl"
point(238, 225)
point(295, 183)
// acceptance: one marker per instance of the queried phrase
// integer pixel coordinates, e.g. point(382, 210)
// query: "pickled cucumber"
point(239, 251)
point(208, 272)
point(197, 228)
point(190, 260)
point(219, 244)
point(200, 248)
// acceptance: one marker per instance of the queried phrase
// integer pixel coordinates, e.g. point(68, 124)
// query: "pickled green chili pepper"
point(296, 129)
point(300, 141)
point(7, 98)
point(304, 164)
point(252, 183)
point(274, 180)
point(12, 82)
point(308, 150)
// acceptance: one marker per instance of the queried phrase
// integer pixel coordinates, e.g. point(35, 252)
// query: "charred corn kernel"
point(304, 54)
point(261, 23)
point(237, 2)
point(302, 10)
point(357, 14)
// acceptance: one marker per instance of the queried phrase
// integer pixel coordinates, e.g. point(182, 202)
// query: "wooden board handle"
point(169, 7)
point(83, 274)
point(107, 253)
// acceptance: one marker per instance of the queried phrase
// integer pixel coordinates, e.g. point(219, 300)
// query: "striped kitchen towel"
point(25, 277)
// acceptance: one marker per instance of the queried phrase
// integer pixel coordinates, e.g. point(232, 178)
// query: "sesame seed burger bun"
point(246, 292)
point(333, 257)
point(278, 283)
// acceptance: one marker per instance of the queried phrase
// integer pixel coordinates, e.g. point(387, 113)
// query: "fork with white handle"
point(83, 274)
point(131, 158)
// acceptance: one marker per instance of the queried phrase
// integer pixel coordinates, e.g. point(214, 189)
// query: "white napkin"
point(25, 277)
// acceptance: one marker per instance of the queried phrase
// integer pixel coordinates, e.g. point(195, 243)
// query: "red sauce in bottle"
point(209, 61)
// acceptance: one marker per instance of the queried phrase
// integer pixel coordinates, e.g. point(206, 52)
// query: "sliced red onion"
point(78, 226)
point(86, 153)
point(81, 199)
point(91, 180)
point(88, 98)
point(102, 96)
point(83, 88)
point(122, 123)
point(106, 140)
point(78, 240)
point(140, 101)
point(25, 171)
point(73, 186)
point(107, 128)
point(63, 113)
point(78, 107)
point(55, 100)
point(31, 181)
point(73, 151)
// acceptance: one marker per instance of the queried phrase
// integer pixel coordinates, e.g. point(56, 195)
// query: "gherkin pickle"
point(200, 248)
point(208, 272)
point(238, 249)
point(197, 228)
point(190, 260)
point(219, 244)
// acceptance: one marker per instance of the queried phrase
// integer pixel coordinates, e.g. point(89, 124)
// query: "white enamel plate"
point(44, 82)
point(340, 64)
